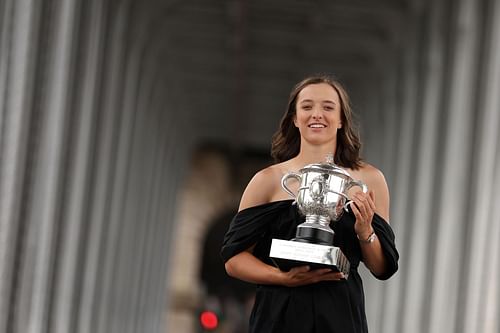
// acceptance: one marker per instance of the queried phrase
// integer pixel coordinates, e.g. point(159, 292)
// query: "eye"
point(306, 107)
point(329, 108)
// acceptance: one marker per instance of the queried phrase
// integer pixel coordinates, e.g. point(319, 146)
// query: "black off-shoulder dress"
point(324, 307)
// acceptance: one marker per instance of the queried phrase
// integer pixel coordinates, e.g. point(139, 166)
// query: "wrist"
point(277, 276)
point(367, 237)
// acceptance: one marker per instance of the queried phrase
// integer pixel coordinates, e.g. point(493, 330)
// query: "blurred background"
point(128, 130)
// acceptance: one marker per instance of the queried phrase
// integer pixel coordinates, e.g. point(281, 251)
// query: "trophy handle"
point(285, 179)
point(353, 183)
point(359, 183)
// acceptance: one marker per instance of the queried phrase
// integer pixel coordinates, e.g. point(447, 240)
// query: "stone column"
point(451, 221)
point(420, 223)
point(478, 309)
point(18, 24)
point(91, 158)
point(404, 158)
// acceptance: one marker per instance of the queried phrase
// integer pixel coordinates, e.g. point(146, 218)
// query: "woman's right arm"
point(245, 266)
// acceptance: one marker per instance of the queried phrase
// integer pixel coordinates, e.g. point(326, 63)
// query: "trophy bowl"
point(322, 197)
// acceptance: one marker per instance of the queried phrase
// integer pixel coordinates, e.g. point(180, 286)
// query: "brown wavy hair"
point(286, 140)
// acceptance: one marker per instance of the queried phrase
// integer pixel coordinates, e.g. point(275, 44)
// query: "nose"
point(317, 113)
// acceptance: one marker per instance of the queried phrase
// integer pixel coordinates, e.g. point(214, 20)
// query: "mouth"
point(316, 125)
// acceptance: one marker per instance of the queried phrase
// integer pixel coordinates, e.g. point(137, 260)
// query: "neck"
point(314, 154)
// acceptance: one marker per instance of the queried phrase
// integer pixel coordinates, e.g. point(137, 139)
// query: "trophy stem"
point(318, 219)
point(315, 229)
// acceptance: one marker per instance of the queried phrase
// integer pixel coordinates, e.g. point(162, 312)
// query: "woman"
point(318, 122)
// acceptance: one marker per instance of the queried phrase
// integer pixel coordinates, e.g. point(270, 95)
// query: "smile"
point(316, 126)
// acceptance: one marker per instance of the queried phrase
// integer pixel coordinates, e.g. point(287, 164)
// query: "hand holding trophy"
point(321, 198)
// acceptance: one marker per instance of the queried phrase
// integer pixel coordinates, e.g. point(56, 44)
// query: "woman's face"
point(318, 113)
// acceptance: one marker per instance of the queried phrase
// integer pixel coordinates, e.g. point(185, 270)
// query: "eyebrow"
point(323, 101)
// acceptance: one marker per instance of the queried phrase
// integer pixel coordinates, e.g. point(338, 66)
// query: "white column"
point(107, 315)
point(80, 173)
point(382, 136)
point(101, 229)
point(18, 25)
point(404, 158)
point(91, 157)
point(453, 198)
point(489, 317)
point(480, 284)
point(45, 201)
point(421, 223)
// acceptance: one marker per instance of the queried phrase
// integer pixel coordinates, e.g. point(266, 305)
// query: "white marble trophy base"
point(287, 254)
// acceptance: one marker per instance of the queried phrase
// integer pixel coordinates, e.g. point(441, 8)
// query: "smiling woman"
point(317, 123)
point(318, 115)
point(328, 93)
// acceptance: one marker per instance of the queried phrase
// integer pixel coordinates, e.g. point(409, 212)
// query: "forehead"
point(318, 92)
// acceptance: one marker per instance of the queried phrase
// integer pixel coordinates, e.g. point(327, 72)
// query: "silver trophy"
point(321, 198)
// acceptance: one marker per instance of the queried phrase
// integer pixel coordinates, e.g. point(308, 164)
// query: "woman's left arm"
point(365, 206)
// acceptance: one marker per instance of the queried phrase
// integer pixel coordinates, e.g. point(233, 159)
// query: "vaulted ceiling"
point(237, 60)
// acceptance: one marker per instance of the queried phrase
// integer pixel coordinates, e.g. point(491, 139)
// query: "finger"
point(355, 210)
point(371, 203)
point(336, 275)
point(359, 214)
point(371, 200)
point(300, 269)
point(315, 273)
point(310, 277)
point(322, 271)
point(361, 205)
point(367, 206)
point(356, 191)
point(362, 197)
point(371, 194)
point(333, 276)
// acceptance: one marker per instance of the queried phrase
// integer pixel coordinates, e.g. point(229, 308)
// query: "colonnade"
point(96, 131)
point(89, 168)
point(443, 161)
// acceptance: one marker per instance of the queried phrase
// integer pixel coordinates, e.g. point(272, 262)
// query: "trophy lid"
point(326, 167)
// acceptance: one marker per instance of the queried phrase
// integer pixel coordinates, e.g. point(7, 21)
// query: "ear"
point(295, 120)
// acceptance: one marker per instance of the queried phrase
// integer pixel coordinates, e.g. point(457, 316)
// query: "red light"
point(209, 320)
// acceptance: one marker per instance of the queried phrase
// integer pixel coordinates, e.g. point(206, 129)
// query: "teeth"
point(317, 126)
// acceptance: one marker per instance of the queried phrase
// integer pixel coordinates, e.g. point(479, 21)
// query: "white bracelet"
point(370, 238)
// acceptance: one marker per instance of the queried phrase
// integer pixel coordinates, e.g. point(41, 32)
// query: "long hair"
point(286, 140)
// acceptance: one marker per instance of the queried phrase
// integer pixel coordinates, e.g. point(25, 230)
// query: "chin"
point(320, 141)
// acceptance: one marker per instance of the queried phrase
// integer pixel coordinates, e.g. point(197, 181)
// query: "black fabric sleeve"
point(387, 241)
point(246, 229)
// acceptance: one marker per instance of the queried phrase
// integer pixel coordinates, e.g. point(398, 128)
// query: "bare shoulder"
point(262, 187)
point(372, 175)
point(375, 180)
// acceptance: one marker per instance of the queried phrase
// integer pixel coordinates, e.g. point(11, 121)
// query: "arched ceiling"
point(237, 60)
